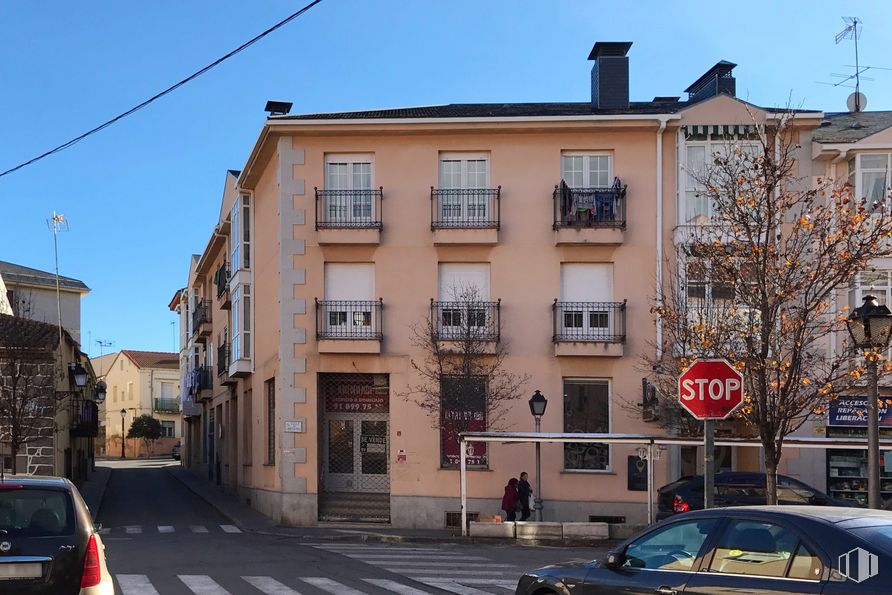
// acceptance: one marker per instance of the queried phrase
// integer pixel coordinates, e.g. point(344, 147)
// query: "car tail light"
point(92, 572)
point(679, 505)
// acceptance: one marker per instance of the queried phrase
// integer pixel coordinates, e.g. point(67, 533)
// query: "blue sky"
point(144, 194)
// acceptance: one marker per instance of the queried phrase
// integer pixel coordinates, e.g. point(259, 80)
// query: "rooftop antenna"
point(857, 101)
point(57, 223)
point(102, 344)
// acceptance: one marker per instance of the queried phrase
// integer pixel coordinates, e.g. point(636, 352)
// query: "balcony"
point(348, 216)
point(589, 328)
point(221, 280)
point(589, 215)
point(467, 326)
point(167, 405)
point(465, 215)
point(203, 382)
point(201, 321)
point(349, 326)
point(223, 365)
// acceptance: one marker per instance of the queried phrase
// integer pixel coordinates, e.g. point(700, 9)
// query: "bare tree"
point(463, 381)
point(27, 369)
point(756, 283)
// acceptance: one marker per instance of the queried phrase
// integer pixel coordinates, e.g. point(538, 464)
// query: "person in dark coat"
point(524, 495)
point(509, 500)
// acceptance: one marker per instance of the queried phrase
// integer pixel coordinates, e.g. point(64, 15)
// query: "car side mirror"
point(615, 560)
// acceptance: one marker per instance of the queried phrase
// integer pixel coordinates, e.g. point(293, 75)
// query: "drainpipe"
point(659, 277)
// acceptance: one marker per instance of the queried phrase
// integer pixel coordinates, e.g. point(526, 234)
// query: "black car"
point(738, 489)
point(762, 550)
point(48, 543)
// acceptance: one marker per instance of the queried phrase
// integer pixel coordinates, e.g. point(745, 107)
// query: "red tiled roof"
point(153, 359)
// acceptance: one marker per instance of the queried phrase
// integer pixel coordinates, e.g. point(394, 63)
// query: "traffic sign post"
point(710, 389)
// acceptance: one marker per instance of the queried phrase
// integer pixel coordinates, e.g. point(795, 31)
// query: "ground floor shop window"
point(462, 409)
point(586, 410)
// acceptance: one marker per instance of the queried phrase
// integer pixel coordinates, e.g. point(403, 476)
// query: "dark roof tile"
point(850, 127)
point(16, 273)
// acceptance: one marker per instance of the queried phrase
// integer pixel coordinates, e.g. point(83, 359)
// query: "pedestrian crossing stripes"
point(451, 571)
point(202, 584)
point(165, 529)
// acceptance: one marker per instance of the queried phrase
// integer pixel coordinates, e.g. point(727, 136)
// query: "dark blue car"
point(762, 550)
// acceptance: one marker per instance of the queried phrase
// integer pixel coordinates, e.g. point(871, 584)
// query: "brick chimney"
point(610, 75)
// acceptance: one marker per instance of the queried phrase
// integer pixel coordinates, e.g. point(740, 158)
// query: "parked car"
point(48, 543)
point(753, 549)
point(738, 489)
point(175, 451)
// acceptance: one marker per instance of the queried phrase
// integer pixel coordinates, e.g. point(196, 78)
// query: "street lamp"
point(870, 326)
point(538, 403)
point(101, 390)
point(123, 414)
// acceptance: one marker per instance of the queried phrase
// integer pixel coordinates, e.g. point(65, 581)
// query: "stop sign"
point(710, 389)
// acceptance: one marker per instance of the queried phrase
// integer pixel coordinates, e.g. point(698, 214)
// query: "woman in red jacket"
point(509, 500)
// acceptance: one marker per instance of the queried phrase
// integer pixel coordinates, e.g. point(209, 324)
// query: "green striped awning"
point(718, 129)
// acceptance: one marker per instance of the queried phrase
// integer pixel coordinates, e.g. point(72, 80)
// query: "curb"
point(96, 494)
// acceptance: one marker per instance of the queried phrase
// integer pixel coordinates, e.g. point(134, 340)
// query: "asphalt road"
point(163, 539)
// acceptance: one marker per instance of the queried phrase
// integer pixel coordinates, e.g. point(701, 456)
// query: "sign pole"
point(708, 463)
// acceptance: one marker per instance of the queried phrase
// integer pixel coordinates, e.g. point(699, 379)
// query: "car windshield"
point(35, 512)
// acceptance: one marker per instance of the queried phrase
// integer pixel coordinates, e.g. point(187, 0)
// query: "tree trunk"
point(770, 478)
point(15, 456)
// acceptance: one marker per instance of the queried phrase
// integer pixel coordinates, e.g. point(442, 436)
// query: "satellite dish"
point(856, 102)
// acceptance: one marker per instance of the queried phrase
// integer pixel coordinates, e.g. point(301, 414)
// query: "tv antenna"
point(58, 223)
point(102, 345)
point(856, 101)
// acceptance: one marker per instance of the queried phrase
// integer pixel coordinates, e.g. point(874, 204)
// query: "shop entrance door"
point(356, 452)
point(355, 445)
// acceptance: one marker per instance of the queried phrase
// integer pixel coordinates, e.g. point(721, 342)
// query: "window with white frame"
point(240, 342)
point(351, 176)
point(349, 291)
point(587, 170)
point(698, 150)
point(240, 234)
point(586, 292)
point(460, 175)
point(875, 283)
point(871, 174)
point(464, 290)
point(586, 410)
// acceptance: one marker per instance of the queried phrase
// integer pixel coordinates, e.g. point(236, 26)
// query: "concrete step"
point(354, 507)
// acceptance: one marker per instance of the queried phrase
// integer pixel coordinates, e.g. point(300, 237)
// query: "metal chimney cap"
point(277, 108)
point(609, 48)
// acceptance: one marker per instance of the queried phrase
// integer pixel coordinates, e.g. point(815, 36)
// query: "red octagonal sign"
point(710, 389)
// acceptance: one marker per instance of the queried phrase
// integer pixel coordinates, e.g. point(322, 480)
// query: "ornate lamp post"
point(123, 415)
point(538, 403)
point(870, 326)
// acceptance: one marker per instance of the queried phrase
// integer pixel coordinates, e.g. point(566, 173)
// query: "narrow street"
point(163, 539)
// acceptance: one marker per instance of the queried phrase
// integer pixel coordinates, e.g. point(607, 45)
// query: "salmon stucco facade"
point(347, 232)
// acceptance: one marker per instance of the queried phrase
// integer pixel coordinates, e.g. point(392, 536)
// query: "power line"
point(170, 89)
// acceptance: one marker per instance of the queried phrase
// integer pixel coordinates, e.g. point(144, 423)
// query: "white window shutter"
point(586, 282)
point(457, 277)
point(349, 281)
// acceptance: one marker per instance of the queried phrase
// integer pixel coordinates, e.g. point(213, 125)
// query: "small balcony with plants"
point(349, 326)
point(589, 215)
point(466, 215)
point(348, 216)
point(167, 405)
point(589, 328)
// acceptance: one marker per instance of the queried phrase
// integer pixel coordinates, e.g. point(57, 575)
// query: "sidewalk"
point(93, 489)
point(249, 520)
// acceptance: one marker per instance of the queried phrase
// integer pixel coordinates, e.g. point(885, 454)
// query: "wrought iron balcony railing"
point(590, 207)
point(466, 321)
point(203, 378)
point(465, 208)
point(221, 279)
point(589, 321)
point(200, 315)
point(222, 359)
point(167, 405)
point(349, 319)
point(348, 209)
